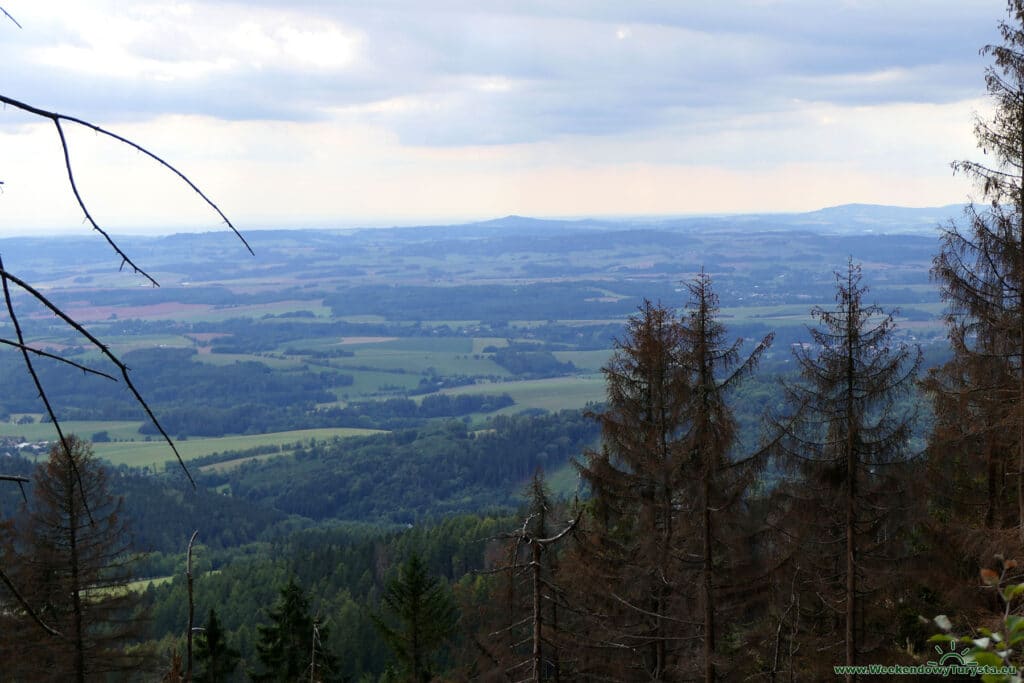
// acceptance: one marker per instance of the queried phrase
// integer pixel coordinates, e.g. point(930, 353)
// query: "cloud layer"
point(742, 86)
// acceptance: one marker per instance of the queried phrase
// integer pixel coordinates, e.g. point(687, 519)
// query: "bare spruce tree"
point(980, 270)
point(72, 567)
point(847, 442)
point(666, 486)
point(526, 630)
point(634, 582)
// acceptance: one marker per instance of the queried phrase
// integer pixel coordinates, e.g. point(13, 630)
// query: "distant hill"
point(847, 219)
point(876, 218)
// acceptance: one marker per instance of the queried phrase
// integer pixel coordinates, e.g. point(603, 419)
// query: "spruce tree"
point(69, 553)
point(419, 617)
point(630, 579)
point(980, 270)
point(291, 646)
point(665, 487)
point(847, 442)
point(216, 658)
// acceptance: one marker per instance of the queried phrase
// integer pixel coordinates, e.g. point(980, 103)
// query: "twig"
point(39, 296)
point(21, 481)
point(57, 118)
point(4, 277)
point(191, 606)
point(24, 604)
point(7, 14)
point(45, 354)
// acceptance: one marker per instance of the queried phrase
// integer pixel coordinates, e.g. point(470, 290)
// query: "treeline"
point(259, 418)
point(397, 413)
point(528, 361)
point(171, 379)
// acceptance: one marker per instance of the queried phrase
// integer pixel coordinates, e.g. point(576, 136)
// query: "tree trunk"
point(76, 595)
point(538, 615)
point(709, 607)
point(191, 609)
point(851, 487)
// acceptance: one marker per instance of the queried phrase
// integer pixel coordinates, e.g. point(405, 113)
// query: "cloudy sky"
point(347, 113)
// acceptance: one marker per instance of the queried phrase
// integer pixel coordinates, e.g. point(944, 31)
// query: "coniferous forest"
point(741, 504)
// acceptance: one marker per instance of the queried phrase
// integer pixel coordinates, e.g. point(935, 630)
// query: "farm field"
point(135, 451)
point(553, 393)
point(44, 431)
point(155, 453)
point(323, 321)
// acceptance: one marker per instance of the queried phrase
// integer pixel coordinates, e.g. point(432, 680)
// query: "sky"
point(344, 114)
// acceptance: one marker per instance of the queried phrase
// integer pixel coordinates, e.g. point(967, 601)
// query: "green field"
point(368, 383)
point(229, 358)
point(44, 431)
point(156, 453)
point(422, 361)
point(553, 393)
point(585, 361)
point(142, 584)
point(228, 465)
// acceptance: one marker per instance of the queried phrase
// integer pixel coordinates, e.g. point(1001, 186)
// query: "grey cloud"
point(568, 72)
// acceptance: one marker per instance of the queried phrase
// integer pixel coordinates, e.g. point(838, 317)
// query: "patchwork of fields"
point(322, 335)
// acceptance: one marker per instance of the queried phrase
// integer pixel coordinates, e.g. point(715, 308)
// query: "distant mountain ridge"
point(848, 219)
point(842, 219)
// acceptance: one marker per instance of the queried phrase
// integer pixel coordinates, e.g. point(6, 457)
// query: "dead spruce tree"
point(665, 485)
point(847, 443)
point(980, 271)
point(523, 637)
point(72, 569)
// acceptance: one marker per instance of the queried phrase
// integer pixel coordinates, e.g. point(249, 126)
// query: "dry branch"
point(68, 361)
point(57, 118)
point(21, 481)
point(39, 385)
point(24, 604)
point(7, 14)
point(6, 277)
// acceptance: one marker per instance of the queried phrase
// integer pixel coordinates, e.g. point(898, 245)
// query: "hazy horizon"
point(356, 113)
point(384, 224)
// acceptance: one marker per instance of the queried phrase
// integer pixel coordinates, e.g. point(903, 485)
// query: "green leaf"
point(984, 657)
point(994, 678)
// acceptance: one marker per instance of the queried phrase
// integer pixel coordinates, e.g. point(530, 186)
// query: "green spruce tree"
point(420, 616)
point(216, 658)
point(291, 646)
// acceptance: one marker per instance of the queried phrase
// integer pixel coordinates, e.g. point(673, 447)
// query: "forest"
point(788, 450)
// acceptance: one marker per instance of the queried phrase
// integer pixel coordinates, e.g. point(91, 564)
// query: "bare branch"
point(57, 118)
point(25, 606)
point(6, 277)
point(45, 354)
point(85, 210)
point(8, 15)
point(191, 605)
point(21, 481)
